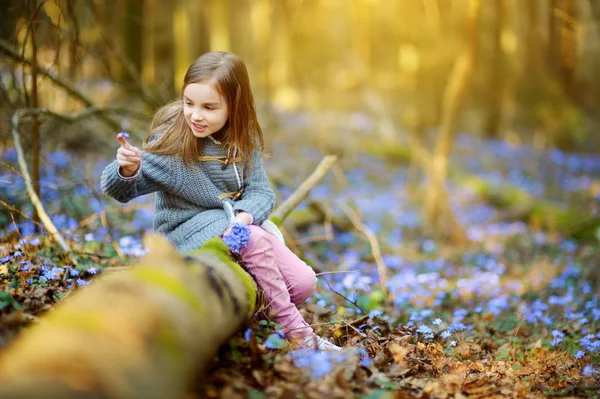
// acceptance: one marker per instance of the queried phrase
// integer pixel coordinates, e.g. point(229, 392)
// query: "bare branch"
point(302, 191)
point(360, 226)
point(35, 199)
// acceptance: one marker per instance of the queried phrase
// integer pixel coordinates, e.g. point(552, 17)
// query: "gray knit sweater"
point(187, 205)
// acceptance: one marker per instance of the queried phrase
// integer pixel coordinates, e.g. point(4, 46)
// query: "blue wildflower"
point(73, 272)
point(557, 337)
point(588, 370)
point(82, 283)
point(125, 135)
point(275, 341)
point(366, 362)
point(423, 329)
point(452, 343)
point(437, 321)
point(579, 354)
point(446, 334)
point(50, 274)
point(92, 270)
point(237, 238)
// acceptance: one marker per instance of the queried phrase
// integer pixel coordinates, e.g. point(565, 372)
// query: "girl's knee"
point(304, 287)
point(258, 239)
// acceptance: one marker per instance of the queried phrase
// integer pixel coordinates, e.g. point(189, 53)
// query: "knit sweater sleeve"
point(258, 199)
point(156, 173)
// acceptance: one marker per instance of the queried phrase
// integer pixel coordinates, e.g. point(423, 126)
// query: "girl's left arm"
point(258, 199)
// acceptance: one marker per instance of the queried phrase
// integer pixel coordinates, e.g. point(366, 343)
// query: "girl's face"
point(204, 108)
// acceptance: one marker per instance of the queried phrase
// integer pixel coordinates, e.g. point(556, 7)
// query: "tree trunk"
point(181, 42)
point(141, 333)
point(494, 112)
point(33, 103)
point(438, 213)
point(568, 41)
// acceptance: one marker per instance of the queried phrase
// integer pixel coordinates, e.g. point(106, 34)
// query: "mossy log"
point(141, 333)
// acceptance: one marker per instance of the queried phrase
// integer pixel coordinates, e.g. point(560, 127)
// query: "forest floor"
point(515, 315)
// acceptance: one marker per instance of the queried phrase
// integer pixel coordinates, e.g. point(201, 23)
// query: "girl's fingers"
point(129, 153)
point(123, 141)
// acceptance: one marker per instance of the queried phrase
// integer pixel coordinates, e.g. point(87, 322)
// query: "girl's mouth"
point(198, 128)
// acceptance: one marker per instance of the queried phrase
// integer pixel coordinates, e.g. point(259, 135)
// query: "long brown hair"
point(241, 130)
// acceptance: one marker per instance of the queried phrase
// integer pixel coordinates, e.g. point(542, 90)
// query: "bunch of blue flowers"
point(237, 238)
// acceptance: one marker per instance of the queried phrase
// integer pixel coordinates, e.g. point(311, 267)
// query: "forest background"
point(466, 187)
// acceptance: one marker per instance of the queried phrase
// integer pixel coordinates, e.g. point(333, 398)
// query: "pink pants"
point(285, 279)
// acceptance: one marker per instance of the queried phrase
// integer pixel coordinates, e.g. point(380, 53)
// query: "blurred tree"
point(33, 103)
point(181, 42)
point(438, 214)
point(497, 68)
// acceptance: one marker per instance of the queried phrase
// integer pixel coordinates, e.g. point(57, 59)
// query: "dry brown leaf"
point(399, 354)
point(525, 371)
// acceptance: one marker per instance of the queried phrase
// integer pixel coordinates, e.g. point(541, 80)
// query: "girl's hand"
point(128, 157)
point(243, 218)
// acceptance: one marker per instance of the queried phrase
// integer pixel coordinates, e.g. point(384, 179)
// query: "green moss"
point(86, 322)
point(169, 343)
point(396, 153)
point(536, 211)
point(161, 279)
point(277, 221)
point(217, 247)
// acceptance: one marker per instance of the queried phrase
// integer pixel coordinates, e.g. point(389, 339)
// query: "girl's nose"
point(197, 116)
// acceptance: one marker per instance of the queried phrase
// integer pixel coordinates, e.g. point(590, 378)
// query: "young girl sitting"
point(203, 158)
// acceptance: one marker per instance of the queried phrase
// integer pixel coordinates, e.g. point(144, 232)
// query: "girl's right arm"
point(135, 173)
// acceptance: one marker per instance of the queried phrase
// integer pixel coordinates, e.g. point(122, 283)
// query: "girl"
point(203, 158)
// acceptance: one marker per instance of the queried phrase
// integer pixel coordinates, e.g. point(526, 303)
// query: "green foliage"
point(371, 301)
point(399, 154)
point(6, 299)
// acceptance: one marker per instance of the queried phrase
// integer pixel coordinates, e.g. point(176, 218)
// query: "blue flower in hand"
point(237, 238)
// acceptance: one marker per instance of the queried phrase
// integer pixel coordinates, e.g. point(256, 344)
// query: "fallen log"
point(145, 332)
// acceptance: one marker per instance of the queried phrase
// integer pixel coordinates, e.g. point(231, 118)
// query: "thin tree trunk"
point(181, 43)
point(33, 98)
point(437, 205)
point(494, 114)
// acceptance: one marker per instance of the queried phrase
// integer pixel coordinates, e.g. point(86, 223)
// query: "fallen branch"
point(360, 226)
point(303, 190)
point(35, 200)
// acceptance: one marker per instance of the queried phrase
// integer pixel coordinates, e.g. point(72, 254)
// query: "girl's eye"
point(188, 103)
point(209, 108)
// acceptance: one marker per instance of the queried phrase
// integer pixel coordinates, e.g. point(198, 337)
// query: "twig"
point(302, 191)
point(13, 209)
point(346, 299)
point(299, 281)
point(359, 225)
point(37, 203)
